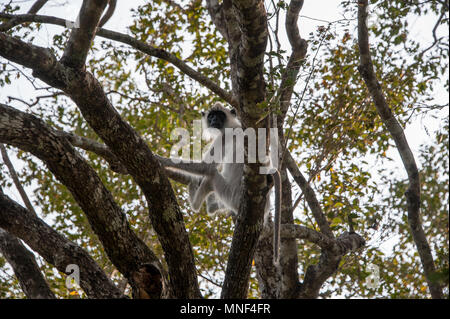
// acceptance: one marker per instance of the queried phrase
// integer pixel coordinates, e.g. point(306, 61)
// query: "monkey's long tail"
point(277, 219)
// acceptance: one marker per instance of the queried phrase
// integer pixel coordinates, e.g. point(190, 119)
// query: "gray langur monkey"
point(225, 184)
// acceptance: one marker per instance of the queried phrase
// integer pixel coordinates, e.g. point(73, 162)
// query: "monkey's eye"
point(233, 111)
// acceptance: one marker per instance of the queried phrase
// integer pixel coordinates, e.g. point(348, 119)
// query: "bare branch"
point(299, 49)
point(250, 89)
point(96, 147)
point(252, 20)
point(108, 14)
point(33, 10)
point(217, 16)
point(37, 100)
point(311, 235)
point(310, 196)
point(81, 37)
point(37, 6)
point(367, 72)
point(15, 179)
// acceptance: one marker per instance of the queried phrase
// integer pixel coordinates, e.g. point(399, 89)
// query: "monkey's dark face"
point(216, 119)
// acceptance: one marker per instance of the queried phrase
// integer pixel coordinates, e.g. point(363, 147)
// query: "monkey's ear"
point(233, 111)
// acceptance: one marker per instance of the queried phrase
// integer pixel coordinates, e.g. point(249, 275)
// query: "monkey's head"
point(219, 117)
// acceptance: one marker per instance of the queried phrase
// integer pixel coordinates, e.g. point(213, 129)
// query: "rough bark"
point(316, 275)
point(54, 248)
point(268, 275)
point(25, 267)
point(126, 251)
point(76, 50)
point(217, 16)
point(252, 20)
point(332, 252)
point(287, 278)
point(130, 149)
point(367, 72)
point(234, 38)
point(251, 86)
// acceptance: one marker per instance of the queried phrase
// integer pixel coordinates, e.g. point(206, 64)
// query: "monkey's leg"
point(203, 190)
point(213, 205)
point(227, 192)
point(193, 187)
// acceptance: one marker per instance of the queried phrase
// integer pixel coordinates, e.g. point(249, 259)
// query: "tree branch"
point(316, 275)
point(33, 10)
point(97, 148)
point(136, 44)
point(104, 152)
point(299, 48)
point(310, 196)
point(250, 89)
point(25, 267)
point(15, 179)
point(126, 251)
point(81, 37)
point(268, 274)
point(367, 72)
point(55, 249)
point(217, 16)
point(131, 150)
point(252, 20)
point(311, 235)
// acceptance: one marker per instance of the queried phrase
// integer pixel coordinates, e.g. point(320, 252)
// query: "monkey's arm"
point(190, 167)
point(178, 176)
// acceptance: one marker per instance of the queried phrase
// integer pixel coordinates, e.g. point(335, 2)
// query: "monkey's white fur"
point(220, 181)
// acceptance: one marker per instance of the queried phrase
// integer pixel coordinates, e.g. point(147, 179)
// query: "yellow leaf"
point(336, 221)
